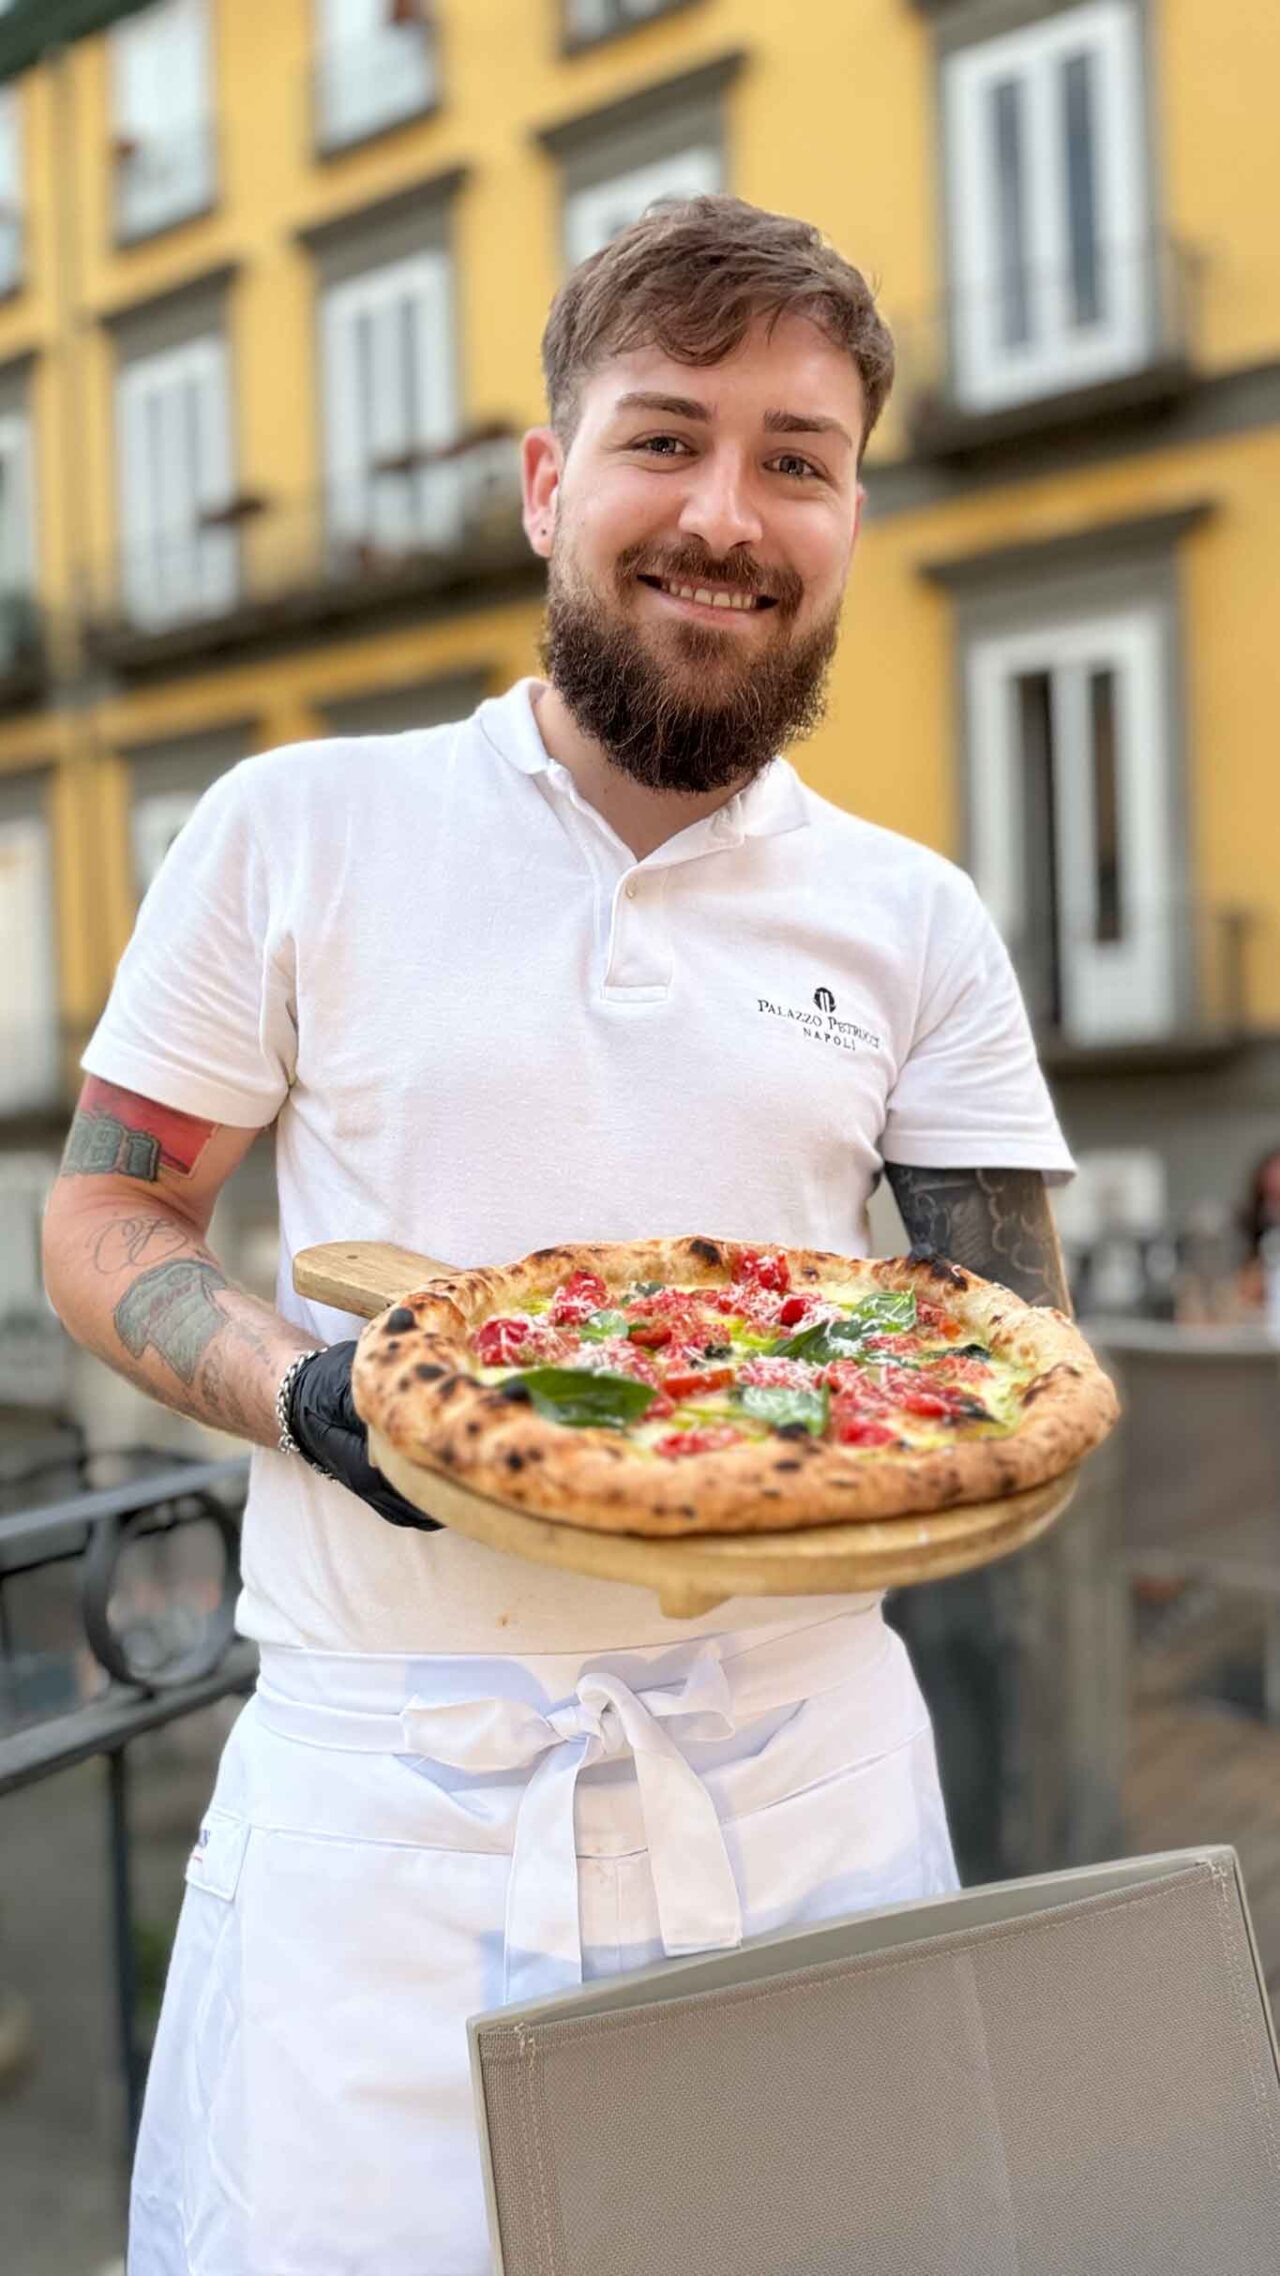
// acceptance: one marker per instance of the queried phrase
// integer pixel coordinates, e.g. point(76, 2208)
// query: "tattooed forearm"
point(996, 1222)
point(172, 1308)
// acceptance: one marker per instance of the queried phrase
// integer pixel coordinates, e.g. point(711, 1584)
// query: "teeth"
point(720, 600)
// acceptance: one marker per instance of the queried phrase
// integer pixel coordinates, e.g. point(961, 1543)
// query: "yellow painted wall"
point(831, 117)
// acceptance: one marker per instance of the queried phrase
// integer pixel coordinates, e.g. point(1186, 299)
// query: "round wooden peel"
point(690, 1576)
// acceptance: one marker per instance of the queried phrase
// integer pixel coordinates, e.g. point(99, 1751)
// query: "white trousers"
point(397, 1844)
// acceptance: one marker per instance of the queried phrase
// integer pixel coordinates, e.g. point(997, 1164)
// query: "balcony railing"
point(1172, 988)
point(116, 1618)
point(362, 87)
point(588, 21)
point(24, 661)
point(415, 525)
point(162, 179)
point(1026, 353)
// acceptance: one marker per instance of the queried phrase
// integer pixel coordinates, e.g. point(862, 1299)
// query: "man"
point(502, 984)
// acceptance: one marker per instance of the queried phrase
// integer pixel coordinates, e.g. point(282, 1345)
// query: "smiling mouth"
point(719, 600)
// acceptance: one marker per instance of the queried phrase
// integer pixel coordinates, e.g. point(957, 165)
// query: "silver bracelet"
point(287, 1443)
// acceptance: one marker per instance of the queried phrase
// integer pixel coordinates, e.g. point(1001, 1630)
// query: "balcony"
point(585, 23)
point(1170, 995)
point(433, 528)
point(162, 179)
point(364, 87)
point(1033, 355)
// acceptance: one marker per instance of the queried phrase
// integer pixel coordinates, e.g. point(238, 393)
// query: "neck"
point(644, 819)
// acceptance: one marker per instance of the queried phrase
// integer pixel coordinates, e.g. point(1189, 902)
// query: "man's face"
point(738, 480)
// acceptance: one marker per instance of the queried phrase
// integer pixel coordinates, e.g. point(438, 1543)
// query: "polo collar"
point(775, 802)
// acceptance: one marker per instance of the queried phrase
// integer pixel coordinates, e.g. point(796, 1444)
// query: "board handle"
point(362, 1276)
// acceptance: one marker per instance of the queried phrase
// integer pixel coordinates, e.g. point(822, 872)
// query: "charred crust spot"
point(810, 1272)
point(447, 1451)
point(427, 1372)
point(399, 1322)
point(793, 1430)
point(514, 1394)
point(473, 1426)
point(938, 1267)
point(449, 1386)
point(686, 1509)
point(789, 1464)
point(515, 1461)
point(547, 1256)
point(770, 1494)
point(707, 1252)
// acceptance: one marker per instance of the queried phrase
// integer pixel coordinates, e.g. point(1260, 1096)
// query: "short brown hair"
point(690, 277)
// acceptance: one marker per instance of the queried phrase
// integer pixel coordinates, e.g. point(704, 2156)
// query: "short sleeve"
point(970, 1093)
point(201, 1012)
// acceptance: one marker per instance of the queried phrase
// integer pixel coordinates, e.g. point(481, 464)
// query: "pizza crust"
point(411, 1381)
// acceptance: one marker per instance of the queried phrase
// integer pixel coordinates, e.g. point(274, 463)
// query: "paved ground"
point(1196, 1769)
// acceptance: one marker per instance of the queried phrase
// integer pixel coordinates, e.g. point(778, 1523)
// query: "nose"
point(718, 506)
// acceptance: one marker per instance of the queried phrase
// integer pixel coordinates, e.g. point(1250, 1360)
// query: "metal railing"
point(409, 524)
point(1176, 975)
point(143, 1637)
point(1013, 350)
point(161, 179)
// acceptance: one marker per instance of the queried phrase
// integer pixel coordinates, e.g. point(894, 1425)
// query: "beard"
point(703, 720)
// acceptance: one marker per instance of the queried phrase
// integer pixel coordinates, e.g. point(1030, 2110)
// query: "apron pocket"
point(218, 1855)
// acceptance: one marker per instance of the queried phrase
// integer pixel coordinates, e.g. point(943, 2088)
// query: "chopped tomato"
point(937, 1403)
point(687, 1385)
point(581, 1294)
point(766, 1268)
point(793, 1311)
point(704, 1441)
point(850, 1427)
point(652, 1334)
point(500, 1343)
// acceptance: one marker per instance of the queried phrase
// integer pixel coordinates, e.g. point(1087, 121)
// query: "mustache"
point(780, 585)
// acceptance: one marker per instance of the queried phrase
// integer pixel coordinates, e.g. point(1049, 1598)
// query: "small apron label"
point(218, 1854)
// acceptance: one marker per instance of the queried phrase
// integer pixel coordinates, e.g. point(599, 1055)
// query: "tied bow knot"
point(697, 1898)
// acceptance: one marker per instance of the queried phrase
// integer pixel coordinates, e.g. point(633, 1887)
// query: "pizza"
point(684, 1386)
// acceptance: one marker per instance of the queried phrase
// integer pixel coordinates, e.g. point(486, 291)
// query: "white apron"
point(396, 1844)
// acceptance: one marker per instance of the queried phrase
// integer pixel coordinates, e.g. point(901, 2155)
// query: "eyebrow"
point(775, 422)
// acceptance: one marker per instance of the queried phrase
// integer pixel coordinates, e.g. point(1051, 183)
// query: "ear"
point(540, 466)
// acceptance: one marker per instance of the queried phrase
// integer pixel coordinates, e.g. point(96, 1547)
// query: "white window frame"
point(989, 372)
point(370, 72)
point(164, 148)
point(11, 190)
point(393, 512)
point(17, 536)
point(1121, 990)
point(28, 968)
point(154, 822)
point(173, 566)
point(594, 215)
point(598, 19)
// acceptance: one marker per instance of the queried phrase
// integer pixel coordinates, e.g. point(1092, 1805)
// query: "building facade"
point(272, 282)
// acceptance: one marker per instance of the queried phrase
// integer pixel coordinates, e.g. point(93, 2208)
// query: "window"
point(10, 191)
point(17, 602)
point(376, 66)
point(1072, 819)
point(164, 151)
point(28, 990)
point(595, 215)
point(390, 401)
point(1052, 268)
point(600, 19)
point(175, 474)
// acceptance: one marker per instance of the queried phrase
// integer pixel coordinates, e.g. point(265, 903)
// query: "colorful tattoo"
point(172, 1307)
point(120, 1134)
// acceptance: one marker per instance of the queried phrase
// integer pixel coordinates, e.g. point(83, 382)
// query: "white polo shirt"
point(484, 1027)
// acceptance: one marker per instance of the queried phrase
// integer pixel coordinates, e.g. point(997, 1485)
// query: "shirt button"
point(631, 892)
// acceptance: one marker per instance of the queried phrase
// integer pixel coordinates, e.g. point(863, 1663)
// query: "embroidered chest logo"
point(821, 1025)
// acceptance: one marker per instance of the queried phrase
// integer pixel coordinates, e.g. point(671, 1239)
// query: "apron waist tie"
point(697, 1897)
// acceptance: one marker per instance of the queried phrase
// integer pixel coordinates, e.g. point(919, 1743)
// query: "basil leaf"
point(574, 1395)
point(645, 1288)
point(779, 1406)
point(598, 1325)
point(891, 1311)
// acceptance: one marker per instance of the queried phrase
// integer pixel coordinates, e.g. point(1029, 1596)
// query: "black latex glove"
point(324, 1422)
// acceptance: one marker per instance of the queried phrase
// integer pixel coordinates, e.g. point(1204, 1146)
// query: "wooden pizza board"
point(689, 1576)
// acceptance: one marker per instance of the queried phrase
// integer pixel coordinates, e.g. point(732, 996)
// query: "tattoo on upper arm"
point(998, 1223)
point(117, 1133)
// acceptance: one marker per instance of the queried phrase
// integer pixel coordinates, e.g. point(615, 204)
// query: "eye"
point(651, 441)
point(793, 459)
